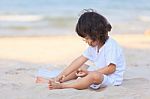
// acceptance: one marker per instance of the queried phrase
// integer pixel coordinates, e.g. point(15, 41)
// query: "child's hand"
point(81, 73)
point(59, 78)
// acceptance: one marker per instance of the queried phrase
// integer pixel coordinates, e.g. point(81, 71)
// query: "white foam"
point(20, 18)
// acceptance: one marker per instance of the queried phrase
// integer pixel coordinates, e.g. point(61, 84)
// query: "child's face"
point(90, 42)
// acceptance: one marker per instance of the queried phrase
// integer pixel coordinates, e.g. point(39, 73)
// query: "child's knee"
point(96, 77)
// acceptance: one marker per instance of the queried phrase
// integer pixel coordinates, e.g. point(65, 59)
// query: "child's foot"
point(55, 85)
point(41, 80)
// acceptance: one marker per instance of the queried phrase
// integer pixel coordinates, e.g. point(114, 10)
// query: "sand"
point(21, 57)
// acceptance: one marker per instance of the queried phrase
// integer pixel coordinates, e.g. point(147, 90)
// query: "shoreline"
point(47, 49)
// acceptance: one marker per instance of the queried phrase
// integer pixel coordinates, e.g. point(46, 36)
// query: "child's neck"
point(99, 46)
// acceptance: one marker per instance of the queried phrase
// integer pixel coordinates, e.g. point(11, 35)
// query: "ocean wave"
point(20, 18)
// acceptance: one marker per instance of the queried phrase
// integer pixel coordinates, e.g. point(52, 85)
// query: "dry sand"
point(21, 57)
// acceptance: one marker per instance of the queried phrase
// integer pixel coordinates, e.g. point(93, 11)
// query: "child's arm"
point(111, 68)
point(77, 63)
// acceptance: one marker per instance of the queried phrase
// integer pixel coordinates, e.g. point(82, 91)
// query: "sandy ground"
point(21, 57)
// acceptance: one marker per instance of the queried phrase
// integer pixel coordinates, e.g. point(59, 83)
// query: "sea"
point(59, 17)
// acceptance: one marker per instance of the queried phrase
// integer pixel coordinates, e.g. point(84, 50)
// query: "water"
point(59, 17)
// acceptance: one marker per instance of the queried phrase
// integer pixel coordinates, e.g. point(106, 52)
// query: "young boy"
point(103, 51)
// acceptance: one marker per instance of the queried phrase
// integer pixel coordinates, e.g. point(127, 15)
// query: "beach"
point(21, 57)
point(41, 35)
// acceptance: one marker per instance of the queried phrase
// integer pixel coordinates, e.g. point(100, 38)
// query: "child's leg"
point(83, 83)
point(73, 74)
point(69, 77)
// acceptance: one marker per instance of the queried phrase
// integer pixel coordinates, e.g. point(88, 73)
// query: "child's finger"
point(80, 74)
point(79, 69)
point(61, 79)
point(63, 76)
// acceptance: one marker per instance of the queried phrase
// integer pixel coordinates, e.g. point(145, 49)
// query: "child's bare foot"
point(41, 80)
point(55, 85)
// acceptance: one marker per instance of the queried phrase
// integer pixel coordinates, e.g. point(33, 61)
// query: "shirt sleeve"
point(87, 53)
point(111, 55)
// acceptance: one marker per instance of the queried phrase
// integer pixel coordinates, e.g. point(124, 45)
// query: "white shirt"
point(110, 52)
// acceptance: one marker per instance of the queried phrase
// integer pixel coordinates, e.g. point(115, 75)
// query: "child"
point(103, 51)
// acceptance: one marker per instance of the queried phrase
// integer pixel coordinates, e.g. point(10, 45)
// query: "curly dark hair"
point(93, 25)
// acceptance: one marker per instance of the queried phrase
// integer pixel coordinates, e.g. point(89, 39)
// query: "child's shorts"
point(107, 81)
